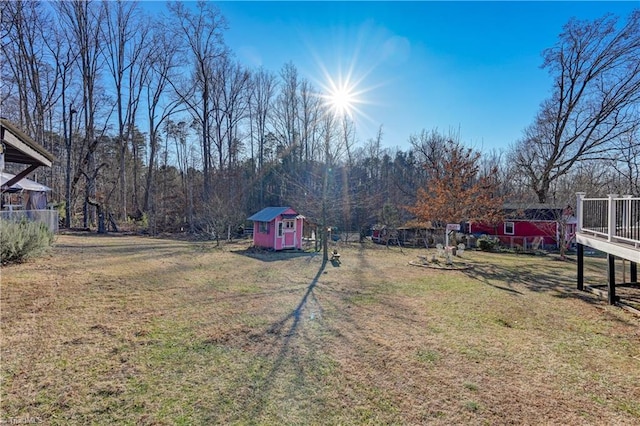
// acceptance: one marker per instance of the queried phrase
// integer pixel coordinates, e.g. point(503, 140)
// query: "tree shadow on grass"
point(283, 334)
point(273, 256)
point(540, 279)
point(533, 277)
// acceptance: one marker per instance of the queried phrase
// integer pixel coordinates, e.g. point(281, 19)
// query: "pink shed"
point(277, 228)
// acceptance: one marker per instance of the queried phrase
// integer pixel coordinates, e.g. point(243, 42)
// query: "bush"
point(487, 243)
point(22, 240)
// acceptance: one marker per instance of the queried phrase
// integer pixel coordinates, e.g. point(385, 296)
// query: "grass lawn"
point(134, 330)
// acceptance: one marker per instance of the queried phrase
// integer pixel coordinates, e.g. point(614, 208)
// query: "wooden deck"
point(611, 225)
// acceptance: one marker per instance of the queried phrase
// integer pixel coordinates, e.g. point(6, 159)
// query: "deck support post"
point(611, 272)
point(634, 272)
point(580, 262)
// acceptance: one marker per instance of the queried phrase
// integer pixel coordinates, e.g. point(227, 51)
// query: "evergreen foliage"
point(488, 243)
point(22, 240)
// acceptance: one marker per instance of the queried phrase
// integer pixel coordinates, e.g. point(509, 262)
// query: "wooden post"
point(580, 267)
point(634, 272)
point(611, 272)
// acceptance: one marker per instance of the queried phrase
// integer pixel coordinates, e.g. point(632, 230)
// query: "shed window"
point(509, 228)
point(264, 227)
point(289, 224)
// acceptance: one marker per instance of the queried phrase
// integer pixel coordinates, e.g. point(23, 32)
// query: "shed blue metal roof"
point(268, 214)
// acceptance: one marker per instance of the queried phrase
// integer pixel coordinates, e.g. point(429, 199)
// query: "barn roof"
point(268, 214)
point(540, 212)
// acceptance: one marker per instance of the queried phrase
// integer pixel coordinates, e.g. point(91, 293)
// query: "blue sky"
point(472, 67)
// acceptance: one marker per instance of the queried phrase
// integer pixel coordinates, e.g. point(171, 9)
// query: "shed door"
point(289, 233)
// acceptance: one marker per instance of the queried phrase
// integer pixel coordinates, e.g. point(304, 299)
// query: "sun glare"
point(343, 97)
point(344, 90)
point(342, 100)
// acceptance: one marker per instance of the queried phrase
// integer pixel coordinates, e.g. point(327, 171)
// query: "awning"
point(23, 184)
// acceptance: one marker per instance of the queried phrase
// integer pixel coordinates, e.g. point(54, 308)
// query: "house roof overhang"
point(19, 148)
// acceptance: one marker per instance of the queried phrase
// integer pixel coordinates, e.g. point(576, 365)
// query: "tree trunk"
point(102, 229)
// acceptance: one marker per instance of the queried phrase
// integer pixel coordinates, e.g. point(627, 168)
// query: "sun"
point(342, 99)
point(344, 91)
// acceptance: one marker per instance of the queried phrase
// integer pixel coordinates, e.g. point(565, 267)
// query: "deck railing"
point(615, 218)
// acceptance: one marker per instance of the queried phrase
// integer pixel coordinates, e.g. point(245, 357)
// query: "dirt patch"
point(441, 264)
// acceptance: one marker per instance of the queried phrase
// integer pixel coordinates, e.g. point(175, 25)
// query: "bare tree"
point(285, 119)
point(229, 101)
point(626, 162)
point(309, 118)
point(493, 163)
point(179, 132)
point(83, 18)
point(366, 183)
point(65, 62)
point(328, 125)
point(236, 105)
point(596, 68)
point(263, 87)
point(262, 91)
point(125, 37)
point(229, 98)
point(430, 150)
point(162, 63)
point(35, 77)
point(202, 44)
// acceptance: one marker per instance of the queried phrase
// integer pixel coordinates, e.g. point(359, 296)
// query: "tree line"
point(152, 117)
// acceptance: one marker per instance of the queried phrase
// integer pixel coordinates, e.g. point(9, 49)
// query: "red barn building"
point(531, 226)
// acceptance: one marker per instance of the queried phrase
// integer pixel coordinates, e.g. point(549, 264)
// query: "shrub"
point(487, 243)
point(22, 240)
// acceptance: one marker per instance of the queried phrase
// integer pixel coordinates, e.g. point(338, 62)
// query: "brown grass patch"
point(125, 329)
